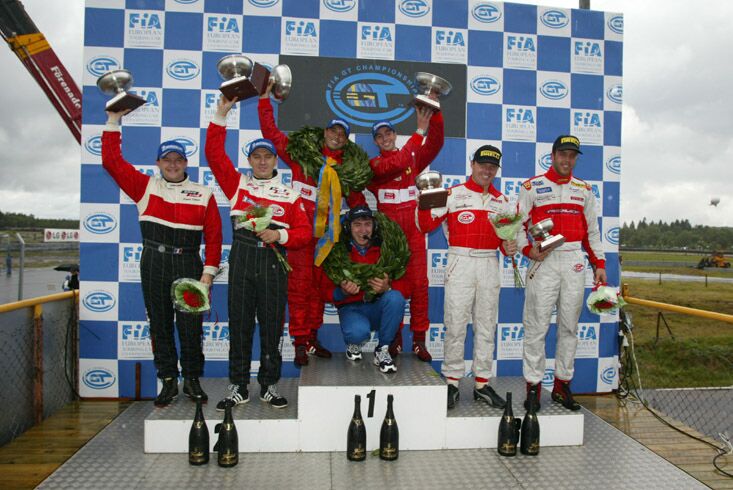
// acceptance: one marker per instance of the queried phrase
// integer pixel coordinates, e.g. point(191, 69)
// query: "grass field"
point(701, 353)
point(686, 262)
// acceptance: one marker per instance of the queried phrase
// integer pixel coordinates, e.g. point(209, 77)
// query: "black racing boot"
point(192, 389)
point(168, 392)
point(453, 395)
point(562, 395)
point(487, 394)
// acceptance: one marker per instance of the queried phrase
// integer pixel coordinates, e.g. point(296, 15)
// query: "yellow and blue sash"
point(328, 210)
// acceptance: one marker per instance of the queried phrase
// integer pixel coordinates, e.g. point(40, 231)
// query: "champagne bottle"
point(198, 438)
point(356, 435)
point(530, 441)
point(508, 430)
point(227, 447)
point(389, 436)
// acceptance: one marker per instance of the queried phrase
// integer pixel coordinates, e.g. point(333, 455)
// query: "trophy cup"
point(541, 233)
point(116, 83)
point(245, 78)
point(429, 83)
point(432, 193)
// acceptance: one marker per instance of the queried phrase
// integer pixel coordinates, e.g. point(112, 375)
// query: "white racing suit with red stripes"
point(304, 303)
point(257, 281)
point(172, 219)
point(393, 186)
point(560, 278)
point(472, 281)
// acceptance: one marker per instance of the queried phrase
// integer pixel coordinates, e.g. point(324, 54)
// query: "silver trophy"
point(432, 193)
point(429, 83)
point(245, 78)
point(116, 83)
point(541, 233)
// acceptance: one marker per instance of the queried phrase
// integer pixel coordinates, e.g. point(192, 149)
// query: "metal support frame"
point(660, 316)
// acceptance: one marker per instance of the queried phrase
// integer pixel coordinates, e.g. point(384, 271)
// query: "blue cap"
point(261, 143)
point(339, 122)
point(171, 146)
point(379, 125)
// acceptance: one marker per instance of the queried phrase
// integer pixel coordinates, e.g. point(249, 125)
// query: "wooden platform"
point(691, 456)
point(29, 459)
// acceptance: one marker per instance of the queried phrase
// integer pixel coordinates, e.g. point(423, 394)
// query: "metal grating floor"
point(115, 459)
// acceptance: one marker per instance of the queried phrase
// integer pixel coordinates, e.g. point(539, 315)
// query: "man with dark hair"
point(360, 313)
point(258, 283)
point(472, 281)
point(393, 186)
point(557, 277)
point(174, 212)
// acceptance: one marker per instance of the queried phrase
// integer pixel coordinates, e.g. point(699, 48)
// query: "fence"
point(706, 409)
point(38, 360)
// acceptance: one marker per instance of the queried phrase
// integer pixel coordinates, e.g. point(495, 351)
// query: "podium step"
point(474, 424)
point(261, 427)
point(321, 403)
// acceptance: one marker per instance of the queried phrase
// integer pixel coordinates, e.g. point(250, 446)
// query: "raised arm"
point(224, 169)
point(132, 182)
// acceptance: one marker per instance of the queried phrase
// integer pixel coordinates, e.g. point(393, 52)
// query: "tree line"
point(20, 220)
point(678, 234)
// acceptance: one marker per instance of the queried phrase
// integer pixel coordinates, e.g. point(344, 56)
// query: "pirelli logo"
point(570, 139)
point(490, 153)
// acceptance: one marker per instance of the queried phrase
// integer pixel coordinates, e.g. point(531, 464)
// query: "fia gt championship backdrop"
point(521, 76)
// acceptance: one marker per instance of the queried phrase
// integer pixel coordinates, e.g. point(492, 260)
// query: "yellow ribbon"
point(328, 210)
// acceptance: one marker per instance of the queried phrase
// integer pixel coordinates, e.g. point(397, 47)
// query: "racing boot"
point(168, 392)
point(562, 395)
point(301, 356)
point(314, 348)
point(395, 347)
point(533, 391)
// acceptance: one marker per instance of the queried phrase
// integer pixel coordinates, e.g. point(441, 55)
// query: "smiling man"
point(174, 212)
point(558, 277)
point(472, 275)
point(305, 306)
point(258, 284)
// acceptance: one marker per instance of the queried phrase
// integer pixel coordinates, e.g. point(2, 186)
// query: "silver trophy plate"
point(541, 233)
point(234, 66)
point(432, 193)
point(428, 83)
point(116, 83)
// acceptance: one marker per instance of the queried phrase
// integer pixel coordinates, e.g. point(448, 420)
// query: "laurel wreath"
point(392, 261)
point(354, 172)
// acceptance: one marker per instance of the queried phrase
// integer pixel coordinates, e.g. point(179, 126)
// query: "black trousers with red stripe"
point(158, 270)
point(258, 288)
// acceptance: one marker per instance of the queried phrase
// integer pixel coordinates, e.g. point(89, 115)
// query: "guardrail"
point(713, 315)
point(38, 360)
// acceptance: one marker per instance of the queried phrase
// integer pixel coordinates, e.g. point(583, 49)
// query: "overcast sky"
point(677, 148)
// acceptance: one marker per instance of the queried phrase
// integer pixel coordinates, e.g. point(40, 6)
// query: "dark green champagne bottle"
point(530, 441)
point(227, 447)
point(356, 435)
point(198, 438)
point(389, 436)
point(508, 430)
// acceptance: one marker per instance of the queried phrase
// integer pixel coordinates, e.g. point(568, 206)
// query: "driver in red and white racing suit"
point(557, 277)
point(393, 185)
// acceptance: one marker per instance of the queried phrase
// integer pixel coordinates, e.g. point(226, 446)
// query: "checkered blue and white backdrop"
point(531, 73)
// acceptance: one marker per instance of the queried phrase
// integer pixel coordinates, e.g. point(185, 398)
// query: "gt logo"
point(466, 217)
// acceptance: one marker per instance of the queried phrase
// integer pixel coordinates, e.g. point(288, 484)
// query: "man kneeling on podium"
point(381, 308)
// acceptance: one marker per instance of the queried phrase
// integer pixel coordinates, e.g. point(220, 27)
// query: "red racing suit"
point(472, 281)
point(560, 278)
point(394, 187)
point(305, 305)
point(257, 282)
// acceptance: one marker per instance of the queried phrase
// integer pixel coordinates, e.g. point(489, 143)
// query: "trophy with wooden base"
point(432, 193)
point(117, 83)
point(541, 233)
point(431, 84)
point(244, 78)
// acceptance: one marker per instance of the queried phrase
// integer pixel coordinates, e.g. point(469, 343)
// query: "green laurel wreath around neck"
point(304, 147)
point(393, 258)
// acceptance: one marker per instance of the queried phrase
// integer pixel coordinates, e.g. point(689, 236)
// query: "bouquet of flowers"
point(190, 296)
point(604, 300)
point(257, 218)
point(506, 227)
